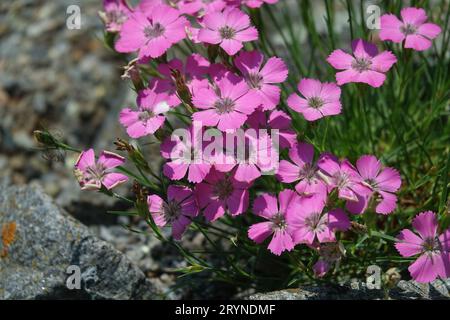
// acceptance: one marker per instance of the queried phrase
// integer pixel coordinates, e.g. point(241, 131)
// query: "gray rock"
point(34, 258)
point(405, 290)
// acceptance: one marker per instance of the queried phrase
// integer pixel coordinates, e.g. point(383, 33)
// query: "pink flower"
point(115, 15)
point(366, 65)
point(310, 223)
point(228, 29)
point(194, 73)
point(383, 183)
point(250, 153)
point(343, 176)
point(183, 6)
point(251, 3)
point(261, 79)
point(320, 268)
point(302, 170)
point(178, 211)
point(278, 215)
point(91, 174)
point(228, 106)
point(277, 120)
point(148, 118)
point(184, 157)
point(152, 32)
point(433, 250)
point(413, 29)
point(220, 193)
point(319, 99)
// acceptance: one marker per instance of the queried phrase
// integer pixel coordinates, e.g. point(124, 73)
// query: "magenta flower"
point(148, 118)
point(343, 176)
point(250, 3)
point(183, 6)
point(258, 3)
point(228, 29)
point(185, 156)
point(319, 99)
point(228, 106)
point(220, 193)
point(433, 250)
point(278, 213)
point(91, 174)
point(310, 223)
point(262, 79)
point(277, 120)
point(320, 268)
point(302, 170)
point(151, 32)
point(366, 65)
point(178, 211)
point(414, 30)
point(115, 15)
point(383, 183)
point(194, 73)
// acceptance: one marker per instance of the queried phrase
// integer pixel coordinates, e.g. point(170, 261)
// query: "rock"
point(405, 290)
point(40, 241)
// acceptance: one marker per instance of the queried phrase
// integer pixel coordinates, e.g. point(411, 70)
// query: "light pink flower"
point(92, 174)
point(302, 170)
point(311, 224)
point(228, 29)
point(262, 79)
point(278, 214)
point(381, 182)
point(184, 157)
point(194, 73)
point(148, 118)
point(319, 99)
point(433, 250)
point(228, 106)
point(365, 65)
point(413, 29)
point(115, 15)
point(152, 32)
point(178, 211)
point(220, 193)
point(277, 120)
point(343, 176)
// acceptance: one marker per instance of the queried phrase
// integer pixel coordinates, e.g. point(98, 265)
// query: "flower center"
point(223, 189)
point(308, 172)
point(431, 244)
point(315, 222)
point(154, 31)
point(224, 105)
point(255, 80)
point(279, 222)
point(408, 29)
point(172, 210)
point(372, 183)
point(315, 102)
point(341, 179)
point(95, 172)
point(361, 64)
point(227, 32)
point(116, 16)
point(145, 115)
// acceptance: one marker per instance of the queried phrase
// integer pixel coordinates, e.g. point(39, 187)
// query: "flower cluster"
point(226, 86)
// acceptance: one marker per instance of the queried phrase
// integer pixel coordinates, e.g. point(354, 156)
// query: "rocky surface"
point(405, 290)
point(39, 243)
